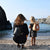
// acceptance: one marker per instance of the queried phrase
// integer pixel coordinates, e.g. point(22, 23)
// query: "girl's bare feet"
point(33, 44)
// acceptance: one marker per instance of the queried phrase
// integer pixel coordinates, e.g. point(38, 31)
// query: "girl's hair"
point(32, 18)
point(20, 18)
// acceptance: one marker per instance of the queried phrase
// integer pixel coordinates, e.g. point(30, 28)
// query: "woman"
point(19, 22)
point(33, 33)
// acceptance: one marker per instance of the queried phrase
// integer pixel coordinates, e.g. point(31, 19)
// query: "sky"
point(36, 8)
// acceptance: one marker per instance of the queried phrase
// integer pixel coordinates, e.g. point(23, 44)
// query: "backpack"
point(17, 31)
point(35, 27)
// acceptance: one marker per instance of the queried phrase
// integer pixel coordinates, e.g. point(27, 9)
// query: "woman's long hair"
point(20, 18)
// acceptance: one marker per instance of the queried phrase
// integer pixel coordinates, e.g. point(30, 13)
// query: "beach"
point(41, 44)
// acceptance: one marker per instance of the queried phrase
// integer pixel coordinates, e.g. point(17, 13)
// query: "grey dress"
point(32, 33)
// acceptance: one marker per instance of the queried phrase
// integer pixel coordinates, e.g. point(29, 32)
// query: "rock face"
point(45, 20)
point(48, 20)
point(4, 24)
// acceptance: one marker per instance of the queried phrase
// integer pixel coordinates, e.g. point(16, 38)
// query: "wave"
point(44, 31)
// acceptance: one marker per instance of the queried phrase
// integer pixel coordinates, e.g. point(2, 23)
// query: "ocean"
point(43, 33)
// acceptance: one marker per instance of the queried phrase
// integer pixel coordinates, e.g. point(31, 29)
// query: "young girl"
point(19, 22)
point(33, 33)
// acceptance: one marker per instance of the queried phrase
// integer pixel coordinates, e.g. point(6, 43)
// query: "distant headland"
point(44, 20)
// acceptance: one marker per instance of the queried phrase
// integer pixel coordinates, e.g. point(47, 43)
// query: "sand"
point(11, 45)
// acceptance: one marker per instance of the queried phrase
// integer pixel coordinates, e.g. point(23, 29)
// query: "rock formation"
point(4, 24)
point(42, 20)
point(48, 20)
point(45, 20)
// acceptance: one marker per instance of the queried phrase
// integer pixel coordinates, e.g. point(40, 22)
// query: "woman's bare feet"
point(18, 45)
point(22, 46)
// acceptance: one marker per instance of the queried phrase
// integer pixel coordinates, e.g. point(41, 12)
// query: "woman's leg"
point(32, 41)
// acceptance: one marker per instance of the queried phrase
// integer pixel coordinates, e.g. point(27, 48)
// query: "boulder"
point(4, 23)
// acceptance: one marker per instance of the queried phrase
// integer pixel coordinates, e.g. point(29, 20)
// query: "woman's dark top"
point(32, 33)
point(22, 38)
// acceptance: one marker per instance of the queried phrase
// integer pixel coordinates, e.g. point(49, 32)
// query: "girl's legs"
point(33, 38)
point(32, 41)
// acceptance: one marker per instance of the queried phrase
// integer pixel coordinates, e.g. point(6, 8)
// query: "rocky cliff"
point(45, 20)
point(42, 20)
point(48, 20)
point(4, 23)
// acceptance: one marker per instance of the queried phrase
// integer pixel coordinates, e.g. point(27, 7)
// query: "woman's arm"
point(13, 27)
point(29, 26)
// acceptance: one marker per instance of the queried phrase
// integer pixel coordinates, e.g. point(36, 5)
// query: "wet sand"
point(11, 45)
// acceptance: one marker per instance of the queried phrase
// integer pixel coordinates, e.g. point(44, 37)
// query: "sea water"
point(44, 31)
